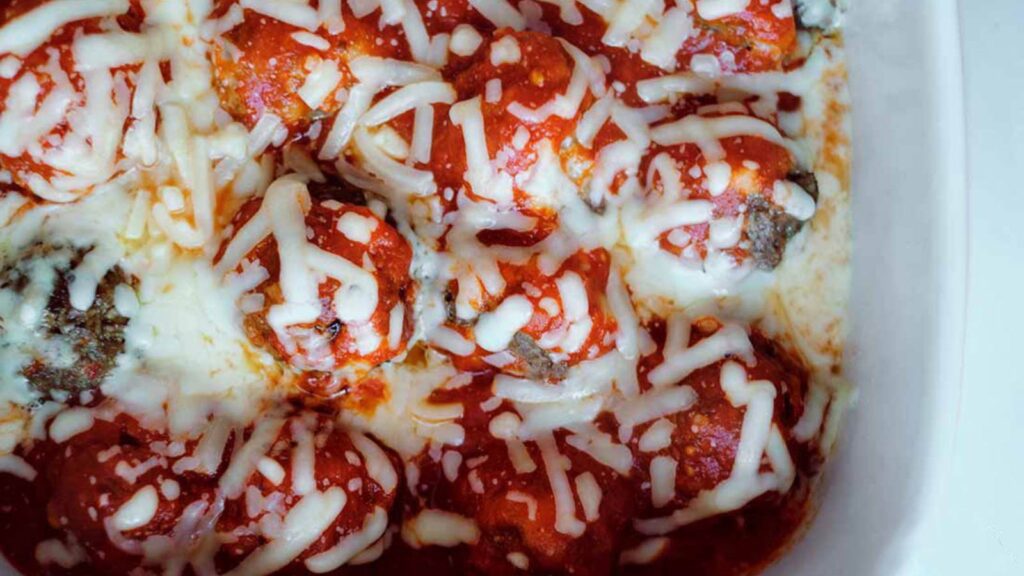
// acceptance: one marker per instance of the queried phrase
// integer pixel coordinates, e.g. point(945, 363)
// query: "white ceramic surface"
point(928, 481)
point(976, 528)
point(908, 300)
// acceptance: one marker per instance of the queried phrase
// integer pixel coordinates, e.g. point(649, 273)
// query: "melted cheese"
point(657, 437)
point(154, 200)
point(601, 448)
point(244, 463)
point(590, 495)
point(450, 463)
point(312, 40)
point(138, 511)
point(651, 406)
point(400, 178)
point(680, 362)
point(663, 480)
point(505, 426)
point(30, 30)
point(568, 104)
point(465, 40)
point(439, 528)
point(303, 525)
point(707, 132)
point(271, 470)
point(374, 74)
point(566, 521)
point(319, 85)
point(661, 47)
point(378, 465)
point(479, 173)
point(716, 9)
point(294, 13)
point(505, 51)
point(813, 417)
point(646, 552)
point(350, 546)
point(356, 227)
point(423, 132)
point(529, 501)
point(500, 13)
point(408, 98)
point(17, 466)
point(54, 551)
point(70, 423)
point(494, 330)
point(303, 458)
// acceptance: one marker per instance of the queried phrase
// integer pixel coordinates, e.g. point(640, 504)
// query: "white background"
point(979, 526)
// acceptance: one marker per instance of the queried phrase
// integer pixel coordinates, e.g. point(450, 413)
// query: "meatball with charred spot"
point(561, 318)
point(327, 285)
point(69, 349)
point(749, 190)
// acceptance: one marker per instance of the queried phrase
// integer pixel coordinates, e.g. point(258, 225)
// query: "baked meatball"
point(261, 64)
point(326, 285)
point(758, 38)
point(519, 100)
point(729, 202)
point(722, 484)
point(117, 496)
point(517, 502)
point(336, 486)
point(43, 82)
point(540, 325)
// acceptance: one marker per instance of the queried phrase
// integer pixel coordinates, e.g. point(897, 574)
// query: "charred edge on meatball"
point(597, 208)
point(790, 363)
point(805, 12)
point(805, 180)
point(769, 228)
point(331, 330)
point(337, 189)
point(450, 313)
point(96, 335)
point(539, 365)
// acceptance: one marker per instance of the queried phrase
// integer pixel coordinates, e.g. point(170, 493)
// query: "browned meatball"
point(329, 341)
point(111, 491)
point(260, 66)
point(701, 448)
point(314, 464)
point(520, 523)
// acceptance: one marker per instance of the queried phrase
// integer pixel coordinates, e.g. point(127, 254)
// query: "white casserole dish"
point(905, 351)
